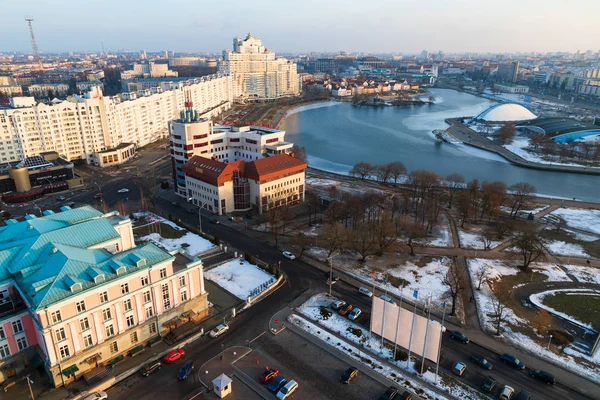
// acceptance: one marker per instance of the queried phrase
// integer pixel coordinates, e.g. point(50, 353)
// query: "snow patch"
point(586, 220)
point(240, 278)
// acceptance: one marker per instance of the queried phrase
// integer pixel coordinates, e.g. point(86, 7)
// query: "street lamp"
point(199, 213)
point(38, 207)
point(51, 188)
point(549, 341)
point(330, 261)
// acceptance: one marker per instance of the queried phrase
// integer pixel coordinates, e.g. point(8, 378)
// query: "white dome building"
point(504, 112)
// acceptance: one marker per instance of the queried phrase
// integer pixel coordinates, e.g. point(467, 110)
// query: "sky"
point(375, 26)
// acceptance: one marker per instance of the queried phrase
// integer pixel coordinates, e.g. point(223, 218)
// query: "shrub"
point(132, 217)
point(216, 241)
point(250, 258)
point(418, 365)
point(401, 355)
point(395, 281)
point(355, 331)
point(325, 313)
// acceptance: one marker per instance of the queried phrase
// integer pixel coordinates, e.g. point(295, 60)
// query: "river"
point(338, 135)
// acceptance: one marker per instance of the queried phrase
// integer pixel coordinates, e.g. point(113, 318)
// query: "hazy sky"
point(302, 26)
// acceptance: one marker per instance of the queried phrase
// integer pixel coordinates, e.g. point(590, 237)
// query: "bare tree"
point(385, 232)
point(299, 152)
point(362, 169)
point(383, 172)
point(274, 219)
point(558, 223)
point(464, 206)
point(397, 169)
point(454, 281)
point(302, 240)
point(148, 184)
point(520, 192)
point(498, 313)
point(506, 134)
point(530, 247)
point(502, 227)
point(454, 183)
point(333, 237)
point(362, 240)
point(487, 237)
point(482, 275)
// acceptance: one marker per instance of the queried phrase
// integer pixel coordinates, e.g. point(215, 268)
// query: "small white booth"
point(222, 385)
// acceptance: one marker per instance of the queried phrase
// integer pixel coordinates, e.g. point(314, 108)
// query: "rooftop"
point(556, 126)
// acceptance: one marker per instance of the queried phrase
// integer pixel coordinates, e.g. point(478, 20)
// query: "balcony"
point(11, 305)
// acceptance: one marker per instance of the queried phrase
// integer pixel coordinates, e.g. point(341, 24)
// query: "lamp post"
point(38, 207)
point(549, 341)
point(330, 261)
point(29, 382)
point(99, 191)
point(199, 213)
point(51, 188)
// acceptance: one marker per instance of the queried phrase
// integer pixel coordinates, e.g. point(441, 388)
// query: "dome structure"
point(503, 112)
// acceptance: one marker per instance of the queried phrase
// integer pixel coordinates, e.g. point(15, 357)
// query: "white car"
point(506, 393)
point(287, 390)
point(124, 190)
point(219, 330)
point(388, 299)
point(289, 255)
point(459, 369)
point(96, 396)
point(365, 291)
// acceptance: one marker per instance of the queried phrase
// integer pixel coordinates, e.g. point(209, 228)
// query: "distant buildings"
point(148, 70)
point(49, 90)
point(256, 72)
point(507, 88)
point(508, 72)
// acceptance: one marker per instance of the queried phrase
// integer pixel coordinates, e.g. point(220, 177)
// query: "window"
point(22, 343)
point(165, 293)
point(2, 334)
point(106, 314)
point(144, 280)
point(184, 295)
point(163, 273)
point(60, 334)
point(55, 317)
point(84, 323)
point(125, 288)
point(87, 341)
point(64, 351)
point(80, 306)
point(147, 297)
point(110, 331)
point(127, 305)
point(103, 297)
point(114, 348)
point(133, 337)
point(152, 328)
point(181, 281)
point(17, 326)
point(4, 351)
point(149, 312)
point(130, 321)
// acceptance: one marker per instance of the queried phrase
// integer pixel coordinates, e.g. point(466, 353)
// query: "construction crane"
point(36, 51)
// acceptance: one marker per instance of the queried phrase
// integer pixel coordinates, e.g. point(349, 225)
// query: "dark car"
point(489, 384)
point(389, 394)
point(277, 384)
point(481, 361)
point(215, 221)
point(512, 361)
point(459, 336)
point(543, 376)
point(334, 279)
point(175, 204)
point(407, 395)
point(151, 368)
point(350, 374)
point(268, 374)
point(186, 370)
point(523, 395)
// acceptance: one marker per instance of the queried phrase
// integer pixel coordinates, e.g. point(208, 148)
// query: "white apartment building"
point(187, 62)
point(257, 73)
point(148, 70)
point(49, 89)
point(81, 128)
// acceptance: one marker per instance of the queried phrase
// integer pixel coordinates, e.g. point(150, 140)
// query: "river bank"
point(281, 115)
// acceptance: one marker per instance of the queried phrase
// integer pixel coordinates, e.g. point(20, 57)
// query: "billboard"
point(396, 324)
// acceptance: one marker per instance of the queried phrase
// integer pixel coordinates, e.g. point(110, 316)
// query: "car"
point(277, 384)
point(151, 368)
point(346, 309)
point(388, 299)
point(365, 291)
point(70, 204)
point(507, 392)
point(61, 198)
point(459, 368)
point(336, 305)
point(287, 389)
point(98, 196)
point(350, 374)
point(175, 204)
point(96, 396)
point(407, 395)
point(354, 313)
point(191, 211)
point(459, 337)
point(543, 376)
point(186, 370)
point(390, 393)
point(219, 330)
point(173, 356)
point(268, 374)
point(512, 361)
point(489, 384)
point(215, 221)
point(289, 255)
point(481, 361)
point(124, 190)
point(523, 395)
point(334, 278)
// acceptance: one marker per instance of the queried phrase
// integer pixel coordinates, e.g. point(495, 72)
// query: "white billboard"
point(397, 323)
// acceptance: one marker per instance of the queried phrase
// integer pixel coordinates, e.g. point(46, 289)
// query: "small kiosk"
point(222, 385)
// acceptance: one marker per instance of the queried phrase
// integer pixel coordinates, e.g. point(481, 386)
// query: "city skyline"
point(465, 26)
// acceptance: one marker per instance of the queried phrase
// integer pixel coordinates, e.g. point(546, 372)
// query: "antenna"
point(36, 51)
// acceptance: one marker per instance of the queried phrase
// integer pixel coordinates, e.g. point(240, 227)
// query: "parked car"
point(151, 368)
point(459, 336)
point(61, 198)
point(390, 393)
point(481, 361)
point(289, 255)
point(489, 384)
point(506, 393)
point(98, 196)
point(350, 374)
point(338, 304)
point(174, 356)
point(71, 204)
point(277, 384)
point(407, 395)
point(346, 309)
point(219, 330)
point(459, 368)
point(96, 396)
point(523, 395)
point(124, 190)
point(543, 376)
point(365, 291)
point(355, 313)
point(334, 278)
point(287, 390)
point(512, 361)
point(173, 203)
point(186, 370)
point(388, 299)
point(268, 374)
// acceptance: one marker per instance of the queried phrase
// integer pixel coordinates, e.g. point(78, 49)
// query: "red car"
point(173, 356)
point(270, 373)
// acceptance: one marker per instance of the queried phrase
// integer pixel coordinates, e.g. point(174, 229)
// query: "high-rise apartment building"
point(508, 72)
point(257, 73)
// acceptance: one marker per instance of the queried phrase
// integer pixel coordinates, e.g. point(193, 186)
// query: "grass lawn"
point(582, 307)
point(166, 231)
point(592, 248)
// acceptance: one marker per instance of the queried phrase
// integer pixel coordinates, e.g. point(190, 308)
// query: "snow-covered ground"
point(195, 243)
point(525, 209)
point(322, 186)
point(240, 278)
point(519, 145)
point(565, 249)
point(538, 300)
point(442, 236)
point(584, 274)
point(471, 240)
point(586, 220)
